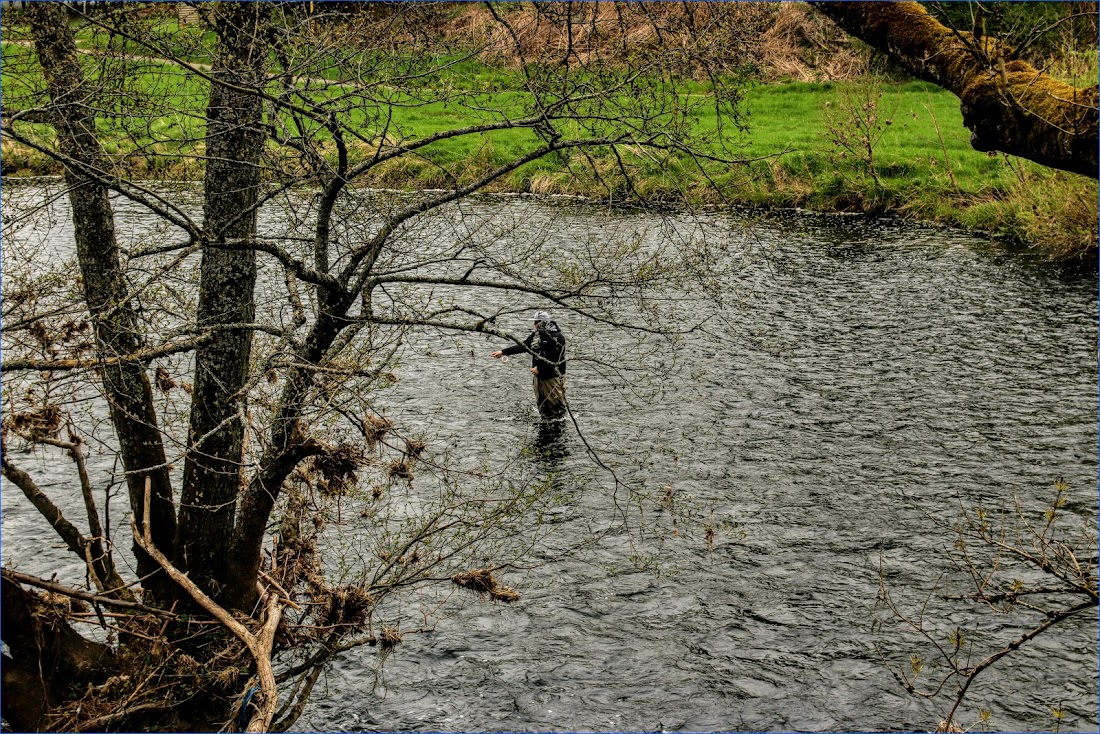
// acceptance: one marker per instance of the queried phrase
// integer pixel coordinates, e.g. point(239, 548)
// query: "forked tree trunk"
point(1007, 104)
point(106, 291)
point(234, 143)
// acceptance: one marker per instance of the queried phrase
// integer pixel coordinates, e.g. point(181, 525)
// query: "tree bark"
point(288, 447)
point(234, 143)
point(114, 317)
point(48, 662)
point(1007, 104)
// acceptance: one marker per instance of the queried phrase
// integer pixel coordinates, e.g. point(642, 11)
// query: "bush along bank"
point(901, 148)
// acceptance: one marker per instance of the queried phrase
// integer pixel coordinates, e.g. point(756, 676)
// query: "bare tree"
point(856, 124)
point(289, 331)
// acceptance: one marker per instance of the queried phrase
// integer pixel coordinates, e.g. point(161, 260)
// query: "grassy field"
point(868, 146)
point(922, 158)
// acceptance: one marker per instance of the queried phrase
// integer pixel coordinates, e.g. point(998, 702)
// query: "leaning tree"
point(234, 360)
point(1007, 104)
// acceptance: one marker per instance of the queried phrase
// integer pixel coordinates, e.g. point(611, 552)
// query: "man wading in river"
point(547, 364)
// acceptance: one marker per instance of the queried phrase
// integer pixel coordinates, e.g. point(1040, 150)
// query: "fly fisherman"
point(546, 345)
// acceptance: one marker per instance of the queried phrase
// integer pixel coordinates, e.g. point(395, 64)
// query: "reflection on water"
point(551, 446)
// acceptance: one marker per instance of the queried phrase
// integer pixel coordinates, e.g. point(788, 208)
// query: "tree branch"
point(1010, 107)
point(84, 595)
point(74, 539)
point(1052, 620)
point(258, 645)
point(62, 365)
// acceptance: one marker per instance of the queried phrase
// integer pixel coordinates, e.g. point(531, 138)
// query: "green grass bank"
point(902, 149)
point(857, 146)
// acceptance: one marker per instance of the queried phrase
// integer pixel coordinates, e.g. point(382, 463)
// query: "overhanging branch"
point(62, 365)
point(1008, 105)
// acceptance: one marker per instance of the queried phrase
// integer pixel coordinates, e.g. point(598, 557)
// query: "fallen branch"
point(258, 645)
point(82, 595)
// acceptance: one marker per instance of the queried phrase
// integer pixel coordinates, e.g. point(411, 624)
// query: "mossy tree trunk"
point(234, 144)
point(1007, 104)
point(106, 290)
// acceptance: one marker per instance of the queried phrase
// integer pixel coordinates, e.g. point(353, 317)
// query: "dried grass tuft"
point(805, 46)
point(389, 638)
point(59, 604)
point(505, 594)
point(227, 677)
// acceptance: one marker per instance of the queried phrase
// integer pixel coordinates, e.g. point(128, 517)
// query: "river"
point(865, 377)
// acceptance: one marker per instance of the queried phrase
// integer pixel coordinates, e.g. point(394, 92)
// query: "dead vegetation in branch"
point(38, 423)
point(402, 470)
point(389, 638)
point(166, 383)
point(336, 469)
point(414, 448)
point(375, 429)
point(484, 582)
point(347, 605)
point(140, 676)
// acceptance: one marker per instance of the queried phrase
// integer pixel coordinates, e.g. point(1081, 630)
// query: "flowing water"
point(865, 377)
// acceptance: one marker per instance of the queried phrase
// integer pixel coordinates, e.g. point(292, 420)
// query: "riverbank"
point(864, 145)
point(920, 165)
point(876, 148)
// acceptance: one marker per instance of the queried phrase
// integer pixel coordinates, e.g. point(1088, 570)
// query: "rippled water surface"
point(865, 376)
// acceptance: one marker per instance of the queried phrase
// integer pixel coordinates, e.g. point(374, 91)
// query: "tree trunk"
point(114, 318)
point(234, 143)
point(49, 661)
point(287, 448)
point(1007, 104)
